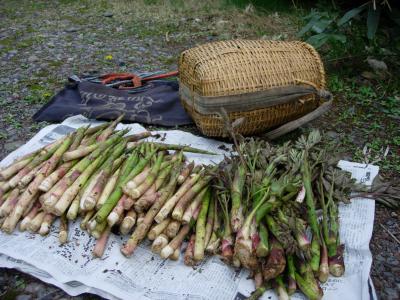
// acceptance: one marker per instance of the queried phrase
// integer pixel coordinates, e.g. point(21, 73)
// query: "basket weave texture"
point(240, 67)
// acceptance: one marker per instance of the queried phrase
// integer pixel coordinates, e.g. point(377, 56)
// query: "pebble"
point(332, 134)
point(34, 287)
point(13, 145)
point(33, 58)
point(392, 294)
point(24, 297)
point(377, 65)
point(108, 14)
point(72, 29)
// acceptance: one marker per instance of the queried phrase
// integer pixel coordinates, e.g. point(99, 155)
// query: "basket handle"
point(320, 110)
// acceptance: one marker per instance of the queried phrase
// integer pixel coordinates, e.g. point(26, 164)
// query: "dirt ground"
point(43, 42)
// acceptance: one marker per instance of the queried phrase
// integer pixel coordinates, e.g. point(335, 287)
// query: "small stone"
point(379, 257)
point(368, 75)
point(33, 58)
point(393, 214)
point(108, 14)
point(377, 65)
point(393, 262)
point(332, 134)
point(72, 29)
point(121, 63)
point(387, 274)
point(33, 288)
point(12, 146)
point(23, 297)
point(391, 293)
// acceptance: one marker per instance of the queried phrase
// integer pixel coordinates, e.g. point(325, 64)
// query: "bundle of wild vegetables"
point(269, 198)
point(257, 209)
point(110, 179)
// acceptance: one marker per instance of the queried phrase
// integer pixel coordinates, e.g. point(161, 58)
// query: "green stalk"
point(325, 226)
point(110, 129)
point(238, 182)
point(91, 139)
point(95, 129)
point(162, 146)
point(83, 151)
point(336, 262)
point(281, 233)
point(126, 175)
point(201, 228)
point(323, 273)
point(63, 232)
point(142, 228)
point(68, 196)
point(163, 176)
point(243, 251)
point(333, 235)
point(185, 200)
point(267, 207)
point(214, 243)
point(308, 288)
point(92, 192)
point(141, 189)
point(281, 289)
point(86, 219)
point(51, 164)
point(184, 191)
point(210, 222)
point(262, 249)
point(38, 159)
point(80, 133)
point(315, 254)
point(309, 277)
point(311, 213)
point(189, 212)
point(292, 286)
point(257, 294)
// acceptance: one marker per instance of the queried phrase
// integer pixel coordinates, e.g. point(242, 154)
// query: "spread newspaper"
point(145, 275)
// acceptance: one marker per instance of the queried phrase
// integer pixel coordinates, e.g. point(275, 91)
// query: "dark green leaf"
point(318, 40)
point(338, 37)
point(308, 26)
point(373, 21)
point(321, 25)
point(351, 14)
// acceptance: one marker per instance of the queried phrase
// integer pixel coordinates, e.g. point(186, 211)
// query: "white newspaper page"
point(145, 275)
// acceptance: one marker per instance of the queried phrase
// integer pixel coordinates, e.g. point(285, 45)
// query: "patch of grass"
point(3, 136)
point(370, 116)
point(38, 94)
point(199, 19)
point(12, 121)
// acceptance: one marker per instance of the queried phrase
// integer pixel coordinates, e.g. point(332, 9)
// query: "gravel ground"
point(42, 43)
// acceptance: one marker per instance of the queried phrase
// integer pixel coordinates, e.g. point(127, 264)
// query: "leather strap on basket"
point(208, 105)
point(320, 110)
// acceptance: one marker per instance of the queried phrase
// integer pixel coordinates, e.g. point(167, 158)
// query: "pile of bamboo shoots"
point(254, 209)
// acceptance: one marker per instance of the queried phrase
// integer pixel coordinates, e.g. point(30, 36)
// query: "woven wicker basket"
point(269, 83)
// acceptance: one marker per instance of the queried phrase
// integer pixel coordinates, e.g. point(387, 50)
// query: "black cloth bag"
point(157, 102)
